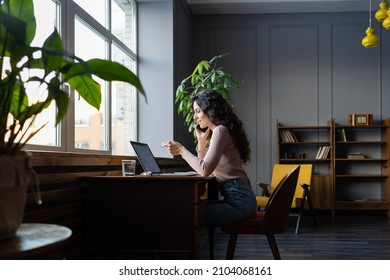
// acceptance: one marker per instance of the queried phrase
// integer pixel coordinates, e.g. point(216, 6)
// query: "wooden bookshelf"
point(355, 179)
point(355, 170)
point(309, 140)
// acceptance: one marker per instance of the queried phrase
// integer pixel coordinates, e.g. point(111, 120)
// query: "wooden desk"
point(35, 241)
point(146, 214)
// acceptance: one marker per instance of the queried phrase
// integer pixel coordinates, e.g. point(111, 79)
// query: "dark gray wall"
point(184, 63)
point(302, 69)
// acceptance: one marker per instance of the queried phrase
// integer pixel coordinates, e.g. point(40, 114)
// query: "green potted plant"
point(206, 75)
point(17, 113)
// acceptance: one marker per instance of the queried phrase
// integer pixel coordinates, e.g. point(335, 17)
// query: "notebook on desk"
point(149, 162)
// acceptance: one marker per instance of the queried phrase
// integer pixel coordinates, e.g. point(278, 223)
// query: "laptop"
point(149, 163)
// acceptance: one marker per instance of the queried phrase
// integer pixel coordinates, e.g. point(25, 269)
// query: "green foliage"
point(58, 66)
point(206, 75)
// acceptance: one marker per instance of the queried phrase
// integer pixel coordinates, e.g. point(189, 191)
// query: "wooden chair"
point(302, 192)
point(273, 220)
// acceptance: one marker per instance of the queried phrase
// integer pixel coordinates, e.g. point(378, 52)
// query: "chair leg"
point(274, 247)
point(298, 223)
point(299, 215)
point(211, 243)
point(311, 208)
point(306, 196)
point(231, 246)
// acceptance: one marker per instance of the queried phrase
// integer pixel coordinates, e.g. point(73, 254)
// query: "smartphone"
point(201, 129)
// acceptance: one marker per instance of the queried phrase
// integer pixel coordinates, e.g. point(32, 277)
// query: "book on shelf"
point(355, 155)
point(326, 153)
point(323, 152)
point(287, 136)
point(341, 135)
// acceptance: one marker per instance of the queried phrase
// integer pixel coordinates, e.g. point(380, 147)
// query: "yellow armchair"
point(302, 191)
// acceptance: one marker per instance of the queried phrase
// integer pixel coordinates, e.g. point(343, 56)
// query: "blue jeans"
point(239, 202)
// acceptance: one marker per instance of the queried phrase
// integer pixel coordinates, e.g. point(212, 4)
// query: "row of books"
point(323, 152)
point(287, 135)
point(355, 155)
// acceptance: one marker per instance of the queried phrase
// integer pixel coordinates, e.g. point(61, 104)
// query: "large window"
point(92, 29)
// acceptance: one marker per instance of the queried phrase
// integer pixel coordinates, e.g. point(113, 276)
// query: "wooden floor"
point(346, 237)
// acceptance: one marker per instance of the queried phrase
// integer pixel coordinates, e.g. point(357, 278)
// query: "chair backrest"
point(305, 177)
point(278, 207)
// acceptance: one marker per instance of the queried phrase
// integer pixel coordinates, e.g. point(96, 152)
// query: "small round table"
point(35, 241)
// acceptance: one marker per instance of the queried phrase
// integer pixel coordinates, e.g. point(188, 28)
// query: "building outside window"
point(103, 29)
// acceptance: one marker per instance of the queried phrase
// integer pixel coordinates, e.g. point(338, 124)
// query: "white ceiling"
point(279, 6)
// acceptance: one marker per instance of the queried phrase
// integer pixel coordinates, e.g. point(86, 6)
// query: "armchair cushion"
point(279, 171)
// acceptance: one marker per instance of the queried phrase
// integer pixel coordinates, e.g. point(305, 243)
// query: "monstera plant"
point(19, 62)
point(206, 75)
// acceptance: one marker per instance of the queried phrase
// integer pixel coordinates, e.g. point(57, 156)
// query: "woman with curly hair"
point(222, 150)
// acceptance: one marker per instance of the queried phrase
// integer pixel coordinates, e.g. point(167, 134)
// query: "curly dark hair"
point(218, 110)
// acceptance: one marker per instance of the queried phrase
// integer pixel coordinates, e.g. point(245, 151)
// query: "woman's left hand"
point(202, 137)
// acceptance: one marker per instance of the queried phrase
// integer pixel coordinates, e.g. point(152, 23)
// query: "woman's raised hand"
point(202, 137)
point(174, 147)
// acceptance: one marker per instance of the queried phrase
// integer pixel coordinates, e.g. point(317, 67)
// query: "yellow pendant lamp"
point(371, 40)
point(381, 14)
point(386, 22)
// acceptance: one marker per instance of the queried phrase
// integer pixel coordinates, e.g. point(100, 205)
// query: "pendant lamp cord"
point(370, 13)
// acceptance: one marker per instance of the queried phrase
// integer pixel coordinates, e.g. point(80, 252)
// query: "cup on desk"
point(128, 167)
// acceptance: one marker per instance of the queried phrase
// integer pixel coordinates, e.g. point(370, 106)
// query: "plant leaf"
point(19, 100)
point(12, 33)
point(33, 110)
point(50, 60)
point(205, 64)
point(88, 89)
point(199, 68)
point(113, 71)
point(61, 99)
point(105, 69)
point(22, 13)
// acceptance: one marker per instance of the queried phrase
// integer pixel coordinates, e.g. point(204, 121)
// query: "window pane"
point(90, 124)
point(123, 21)
point(46, 15)
point(96, 8)
point(123, 108)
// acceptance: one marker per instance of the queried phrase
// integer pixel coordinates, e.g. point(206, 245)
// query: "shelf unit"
point(362, 183)
point(303, 150)
point(340, 182)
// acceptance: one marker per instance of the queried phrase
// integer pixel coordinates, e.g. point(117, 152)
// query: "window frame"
point(68, 11)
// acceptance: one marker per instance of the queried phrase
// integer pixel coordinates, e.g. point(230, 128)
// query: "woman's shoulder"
point(221, 128)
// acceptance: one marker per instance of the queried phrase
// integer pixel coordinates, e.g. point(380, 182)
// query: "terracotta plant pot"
point(15, 175)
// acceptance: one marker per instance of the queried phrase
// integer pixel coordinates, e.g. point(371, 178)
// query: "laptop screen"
point(145, 157)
